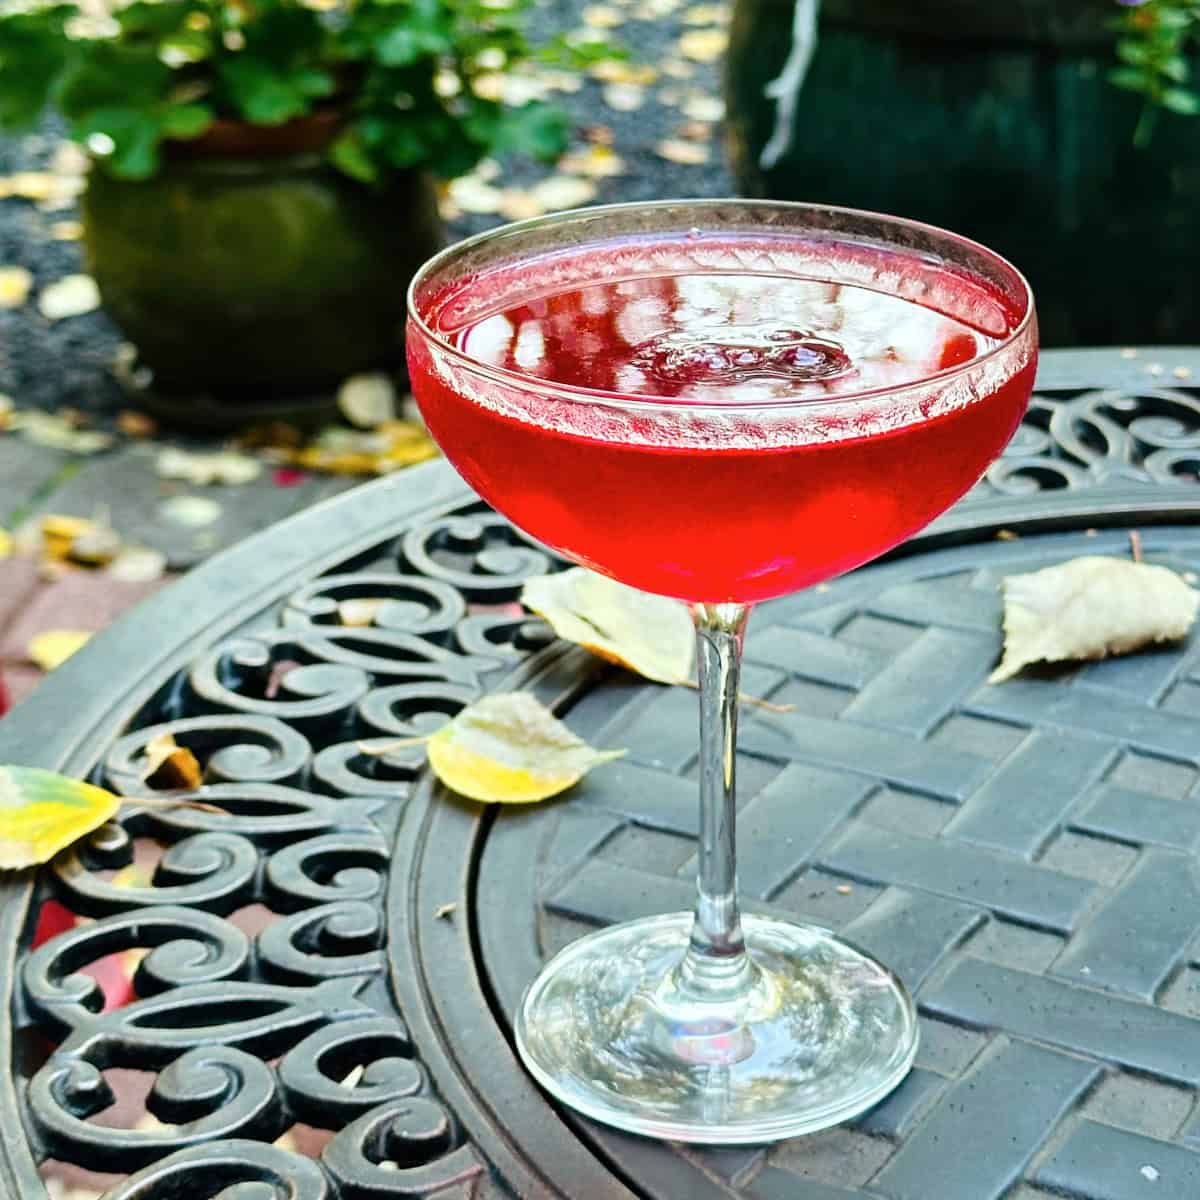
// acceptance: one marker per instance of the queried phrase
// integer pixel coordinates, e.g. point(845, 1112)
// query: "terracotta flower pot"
point(997, 121)
point(250, 275)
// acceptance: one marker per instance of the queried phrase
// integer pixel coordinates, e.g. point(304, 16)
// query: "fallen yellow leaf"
point(596, 162)
point(510, 749)
point(563, 191)
point(203, 469)
point(706, 14)
point(71, 296)
point(618, 70)
point(600, 16)
point(6, 543)
point(66, 231)
point(652, 635)
point(52, 648)
point(704, 45)
point(676, 150)
point(15, 285)
point(624, 97)
point(42, 813)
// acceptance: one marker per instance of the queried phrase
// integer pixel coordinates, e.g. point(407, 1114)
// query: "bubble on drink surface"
point(730, 354)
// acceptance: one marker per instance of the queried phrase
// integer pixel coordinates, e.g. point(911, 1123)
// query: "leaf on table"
point(367, 400)
point(510, 749)
point(652, 635)
point(204, 469)
point(1089, 608)
point(71, 296)
point(51, 648)
point(15, 286)
point(42, 813)
point(170, 766)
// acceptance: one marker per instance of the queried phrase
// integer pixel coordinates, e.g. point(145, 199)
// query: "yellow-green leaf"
point(652, 635)
point(42, 813)
point(510, 749)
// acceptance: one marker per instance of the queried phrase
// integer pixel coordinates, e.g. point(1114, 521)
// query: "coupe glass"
point(714, 1026)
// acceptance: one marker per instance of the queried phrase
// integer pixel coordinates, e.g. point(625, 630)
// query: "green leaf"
point(1137, 54)
point(186, 121)
point(1176, 68)
point(260, 94)
point(536, 129)
point(135, 134)
point(350, 155)
point(1131, 79)
point(156, 20)
point(1180, 100)
point(42, 813)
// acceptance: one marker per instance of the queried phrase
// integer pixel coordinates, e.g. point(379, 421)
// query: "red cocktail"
point(723, 402)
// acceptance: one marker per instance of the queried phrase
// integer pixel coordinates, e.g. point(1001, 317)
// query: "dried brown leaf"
point(170, 767)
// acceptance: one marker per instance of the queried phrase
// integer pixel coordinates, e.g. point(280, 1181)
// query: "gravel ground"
point(69, 363)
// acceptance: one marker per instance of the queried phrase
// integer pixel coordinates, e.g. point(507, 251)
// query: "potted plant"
point(1057, 131)
point(262, 181)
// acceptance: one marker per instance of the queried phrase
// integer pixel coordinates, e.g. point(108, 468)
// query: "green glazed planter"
point(996, 121)
point(251, 286)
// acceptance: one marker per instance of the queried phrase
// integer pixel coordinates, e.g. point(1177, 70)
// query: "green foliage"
point(399, 73)
point(1154, 39)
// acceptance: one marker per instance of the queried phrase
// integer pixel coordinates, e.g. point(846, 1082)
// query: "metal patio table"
point(1024, 854)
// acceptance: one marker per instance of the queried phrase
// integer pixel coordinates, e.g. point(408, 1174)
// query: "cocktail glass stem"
point(716, 966)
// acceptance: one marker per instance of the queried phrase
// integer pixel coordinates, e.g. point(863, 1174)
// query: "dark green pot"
point(996, 121)
point(245, 283)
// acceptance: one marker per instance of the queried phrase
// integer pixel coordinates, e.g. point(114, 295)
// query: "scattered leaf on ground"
point(204, 469)
point(367, 400)
point(698, 106)
point(6, 410)
point(15, 286)
point(595, 162)
point(57, 433)
point(601, 16)
point(66, 231)
point(58, 533)
point(170, 766)
point(619, 70)
point(564, 191)
point(360, 611)
point(71, 296)
point(676, 68)
point(510, 749)
point(338, 451)
point(95, 546)
point(471, 194)
point(706, 14)
point(52, 648)
point(29, 185)
point(6, 543)
point(652, 635)
point(136, 424)
point(191, 511)
point(1091, 607)
point(137, 564)
point(704, 45)
point(624, 97)
point(676, 150)
point(42, 813)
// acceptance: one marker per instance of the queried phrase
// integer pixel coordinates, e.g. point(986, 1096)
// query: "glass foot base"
point(822, 1033)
